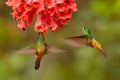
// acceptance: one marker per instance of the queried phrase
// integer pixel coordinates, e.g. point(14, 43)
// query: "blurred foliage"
point(102, 16)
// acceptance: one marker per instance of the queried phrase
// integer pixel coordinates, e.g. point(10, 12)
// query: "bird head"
point(86, 31)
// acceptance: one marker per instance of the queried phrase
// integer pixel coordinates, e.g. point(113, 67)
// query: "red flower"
point(50, 13)
point(21, 25)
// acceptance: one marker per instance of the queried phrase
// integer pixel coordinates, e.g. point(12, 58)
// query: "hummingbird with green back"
point(85, 39)
point(40, 49)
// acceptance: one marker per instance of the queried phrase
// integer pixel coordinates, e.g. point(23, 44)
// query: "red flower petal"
point(40, 7)
point(64, 21)
point(37, 3)
point(59, 1)
point(61, 7)
point(38, 21)
point(46, 18)
point(12, 2)
point(54, 25)
point(28, 7)
point(41, 29)
point(21, 25)
point(50, 3)
point(69, 13)
point(30, 16)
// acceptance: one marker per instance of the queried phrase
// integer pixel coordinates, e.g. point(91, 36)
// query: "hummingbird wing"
point(32, 50)
point(52, 49)
point(27, 50)
point(77, 41)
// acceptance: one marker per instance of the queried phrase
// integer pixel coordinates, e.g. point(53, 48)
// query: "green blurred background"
point(103, 18)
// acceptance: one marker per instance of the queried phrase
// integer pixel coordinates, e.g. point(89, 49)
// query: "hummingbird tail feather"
point(102, 51)
point(37, 63)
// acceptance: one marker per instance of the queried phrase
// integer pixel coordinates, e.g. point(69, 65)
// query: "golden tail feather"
point(102, 51)
point(97, 45)
point(37, 62)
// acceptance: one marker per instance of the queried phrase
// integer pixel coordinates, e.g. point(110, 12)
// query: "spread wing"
point(77, 41)
point(27, 50)
point(52, 49)
point(32, 50)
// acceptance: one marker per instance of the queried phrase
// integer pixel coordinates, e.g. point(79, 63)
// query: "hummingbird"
point(86, 39)
point(40, 49)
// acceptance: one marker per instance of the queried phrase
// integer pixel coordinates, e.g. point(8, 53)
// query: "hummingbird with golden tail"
point(85, 39)
point(40, 49)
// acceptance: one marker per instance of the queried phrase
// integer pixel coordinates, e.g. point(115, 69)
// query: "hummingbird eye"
point(84, 28)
